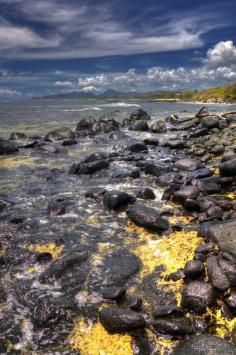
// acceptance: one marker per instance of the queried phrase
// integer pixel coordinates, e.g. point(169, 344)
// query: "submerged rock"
point(146, 194)
point(95, 193)
point(117, 320)
point(7, 147)
point(197, 296)
point(116, 199)
point(148, 218)
point(60, 134)
point(88, 168)
point(205, 345)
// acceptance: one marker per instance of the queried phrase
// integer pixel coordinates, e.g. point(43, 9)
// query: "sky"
point(54, 46)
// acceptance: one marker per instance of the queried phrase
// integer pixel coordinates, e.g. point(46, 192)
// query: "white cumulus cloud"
point(223, 54)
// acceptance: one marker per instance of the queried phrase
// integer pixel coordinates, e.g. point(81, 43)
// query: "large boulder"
point(117, 320)
point(60, 134)
point(105, 125)
point(222, 233)
point(148, 218)
point(116, 199)
point(228, 168)
point(140, 125)
point(7, 147)
point(216, 276)
point(197, 296)
point(139, 114)
point(158, 127)
point(188, 192)
point(86, 123)
point(22, 141)
point(187, 164)
point(205, 345)
point(210, 122)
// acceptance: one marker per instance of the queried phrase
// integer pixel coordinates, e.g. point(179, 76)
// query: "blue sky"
point(52, 46)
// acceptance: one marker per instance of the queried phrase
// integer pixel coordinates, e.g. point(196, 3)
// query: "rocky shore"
point(119, 270)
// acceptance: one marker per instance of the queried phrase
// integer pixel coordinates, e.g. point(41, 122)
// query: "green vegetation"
point(218, 94)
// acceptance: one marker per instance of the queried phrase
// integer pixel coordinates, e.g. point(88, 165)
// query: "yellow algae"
point(31, 269)
point(222, 326)
point(180, 219)
point(93, 220)
point(215, 171)
point(52, 248)
point(160, 344)
point(15, 162)
point(93, 339)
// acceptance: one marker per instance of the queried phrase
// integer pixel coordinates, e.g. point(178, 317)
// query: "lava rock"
point(86, 123)
point(116, 199)
point(148, 218)
point(60, 134)
point(210, 122)
point(228, 168)
point(146, 194)
point(188, 192)
point(194, 269)
point(197, 296)
point(113, 293)
point(187, 164)
point(175, 144)
point(229, 269)
point(7, 147)
point(117, 320)
point(95, 193)
point(139, 126)
point(173, 326)
point(169, 178)
point(138, 147)
point(88, 168)
point(199, 173)
point(139, 114)
point(158, 127)
point(157, 169)
point(205, 345)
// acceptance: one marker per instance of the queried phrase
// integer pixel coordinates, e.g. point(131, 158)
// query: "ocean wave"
point(84, 109)
point(119, 104)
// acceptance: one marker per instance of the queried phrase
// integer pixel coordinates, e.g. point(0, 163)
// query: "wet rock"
point(95, 193)
point(117, 320)
point(3, 294)
point(173, 326)
point(116, 199)
point(60, 134)
point(139, 114)
point(139, 126)
point(138, 147)
point(59, 267)
point(199, 173)
point(115, 270)
point(146, 194)
point(217, 150)
point(183, 126)
point(191, 205)
point(168, 178)
point(202, 112)
point(194, 269)
point(205, 248)
point(228, 267)
point(210, 122)
point(228, 168)
point(197, 296)
point(133, 302)
point(113, 293)
point(88, 168)
point(68, 142)
point(57, 208)
point(22, 141)
point(7, 147)
point(216, 276)
point(86, 123)
point(175, 144)
point(187, 164)
point(148, 218)
point(48, 149)
point(157, 169)
point(188, 192)
point(46, 311)
point(199, 132)
point(44, 258)
point(151, 141)
point(231, 300)
point(105, 125)
point(10, 332)
point(133, 173)
point(223, 233)
point(214, 212)
point(95, 157)
point(167, 310)
point(158, 127)
point(205, 345)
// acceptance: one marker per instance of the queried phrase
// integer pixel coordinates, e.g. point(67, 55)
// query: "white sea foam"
point(93, 108)
point(119, 104)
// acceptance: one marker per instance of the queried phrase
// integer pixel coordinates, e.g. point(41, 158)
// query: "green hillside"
point(218, 94)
